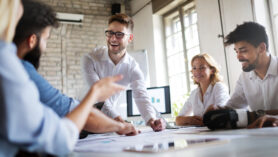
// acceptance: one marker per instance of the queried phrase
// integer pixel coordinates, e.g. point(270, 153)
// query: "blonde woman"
point(10, 13)
point(25, 122)
point(210, 90)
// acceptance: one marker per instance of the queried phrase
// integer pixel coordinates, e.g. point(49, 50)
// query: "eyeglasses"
point(118, 35)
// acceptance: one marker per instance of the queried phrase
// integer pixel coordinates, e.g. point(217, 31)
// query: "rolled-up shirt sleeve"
point(73, 104)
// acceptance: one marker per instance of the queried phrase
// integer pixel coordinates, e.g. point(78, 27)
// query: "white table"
point(257, 143)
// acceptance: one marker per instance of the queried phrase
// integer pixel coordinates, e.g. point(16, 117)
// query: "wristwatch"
point(259, 113)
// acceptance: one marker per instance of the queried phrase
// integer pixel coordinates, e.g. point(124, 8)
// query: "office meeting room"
point(135, 78)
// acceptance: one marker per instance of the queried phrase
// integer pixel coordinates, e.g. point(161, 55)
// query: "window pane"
point(169, 23)
point(169, 46)
point(171, 66)
point(194, 17)
point(184, 84)
point(176, 64)
point(195, 36)
point(191, 36)
point(174, 44)
point(168, 30)
point(191, 53)
point(177, 72)
point(178, 42)
point(186, 20)
point(176, 25)
point(192, 41)
point(188, 37)
point(178, 86)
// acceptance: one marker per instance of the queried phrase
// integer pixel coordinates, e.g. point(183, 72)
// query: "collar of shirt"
point(106, 57)
point(208, 91)
point(272, 69)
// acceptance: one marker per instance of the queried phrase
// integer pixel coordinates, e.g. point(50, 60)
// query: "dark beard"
point(34, 56)
point(251, 66)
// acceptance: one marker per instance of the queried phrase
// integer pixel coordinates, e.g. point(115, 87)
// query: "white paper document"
point(117, 143)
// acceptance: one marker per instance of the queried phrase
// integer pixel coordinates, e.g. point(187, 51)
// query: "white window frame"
point(182, 10)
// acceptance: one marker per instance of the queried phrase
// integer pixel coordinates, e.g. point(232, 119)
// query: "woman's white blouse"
point(217, 94)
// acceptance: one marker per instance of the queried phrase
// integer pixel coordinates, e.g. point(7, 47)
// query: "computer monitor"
point(159, 98)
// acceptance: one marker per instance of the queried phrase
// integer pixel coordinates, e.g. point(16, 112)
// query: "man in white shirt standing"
point(257, 86)
point(114, 59)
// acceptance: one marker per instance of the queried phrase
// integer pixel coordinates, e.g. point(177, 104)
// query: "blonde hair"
point(215, 77)
point(8, 16)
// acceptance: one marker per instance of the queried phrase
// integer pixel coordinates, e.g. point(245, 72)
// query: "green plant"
point(178, 104)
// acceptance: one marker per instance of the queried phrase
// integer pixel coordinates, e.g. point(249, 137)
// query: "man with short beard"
point(114, 59)
point(32, 33)
point(257, 86)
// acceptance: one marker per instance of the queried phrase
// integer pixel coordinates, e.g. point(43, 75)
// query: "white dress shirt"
point(97, 65)
point(252, 92)
point(217, 94)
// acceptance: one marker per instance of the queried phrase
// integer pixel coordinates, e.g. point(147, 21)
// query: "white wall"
point(143, 38)
point(160, 54)
point(235, 12)
point(148, 34)
point(209, 29)
point(262, 17)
